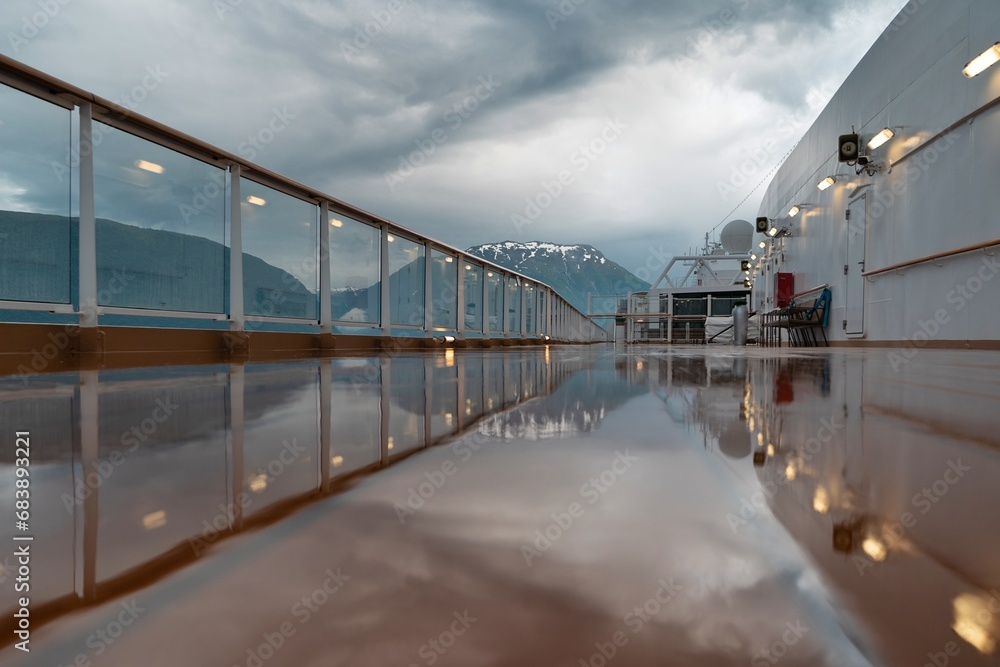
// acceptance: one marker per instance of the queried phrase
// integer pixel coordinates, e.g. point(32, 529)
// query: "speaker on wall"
point(849, 147)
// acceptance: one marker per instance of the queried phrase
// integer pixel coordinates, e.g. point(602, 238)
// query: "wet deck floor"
point(584, 506)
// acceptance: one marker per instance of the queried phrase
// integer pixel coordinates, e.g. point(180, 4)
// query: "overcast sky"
point(459, 118)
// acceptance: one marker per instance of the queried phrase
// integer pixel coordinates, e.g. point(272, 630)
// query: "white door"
point(857, 226)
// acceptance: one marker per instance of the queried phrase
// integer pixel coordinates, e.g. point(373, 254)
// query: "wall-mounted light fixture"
point(794, 211)
point(881, 139)
point(256, 201)
point(983, 61)
point(826, 183)
point(849, 151)
point(763, 245)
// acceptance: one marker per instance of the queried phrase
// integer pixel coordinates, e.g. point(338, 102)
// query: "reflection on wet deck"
point(588, 507)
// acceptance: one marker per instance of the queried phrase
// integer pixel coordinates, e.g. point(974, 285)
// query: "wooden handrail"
point(931, 258)
point(809, 291)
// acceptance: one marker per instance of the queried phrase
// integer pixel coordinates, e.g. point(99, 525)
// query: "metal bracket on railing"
point(986, 251)
point(935, 263)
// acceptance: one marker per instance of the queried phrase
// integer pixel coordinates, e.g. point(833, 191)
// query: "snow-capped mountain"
point(572, 270)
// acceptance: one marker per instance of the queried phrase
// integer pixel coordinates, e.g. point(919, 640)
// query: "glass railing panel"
point(280, 253)
point(473, 307)
point(513, 304)
point(355, 270)
point(444, 291)
point(530, 309)
point(406, 282)
point(161, 226)
point(495, 289)
point(37, 169)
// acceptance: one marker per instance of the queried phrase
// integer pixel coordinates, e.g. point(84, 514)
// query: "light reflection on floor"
point(584, 506)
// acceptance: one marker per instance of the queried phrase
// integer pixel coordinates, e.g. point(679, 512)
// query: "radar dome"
point(737, 237)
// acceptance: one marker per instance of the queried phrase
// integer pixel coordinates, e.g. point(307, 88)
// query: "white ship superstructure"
point(905, 237)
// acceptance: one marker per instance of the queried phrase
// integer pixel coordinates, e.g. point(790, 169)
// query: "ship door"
point(857, 231)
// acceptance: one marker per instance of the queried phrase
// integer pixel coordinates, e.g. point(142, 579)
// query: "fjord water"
point(578, 506)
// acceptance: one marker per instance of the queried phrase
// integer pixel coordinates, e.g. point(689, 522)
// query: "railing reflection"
point(137, 471)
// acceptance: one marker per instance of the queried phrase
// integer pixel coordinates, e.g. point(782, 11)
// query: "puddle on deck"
point(583, 506)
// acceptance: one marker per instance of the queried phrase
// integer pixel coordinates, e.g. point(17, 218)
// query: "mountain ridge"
point(573, 270)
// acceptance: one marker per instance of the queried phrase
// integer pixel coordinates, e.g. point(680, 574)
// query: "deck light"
point(875, 549)
point(763, 245)
point(154, 520)
point(336, 223)
point(821, 501)
point(449, 259)
point(468, 267)
point(973, 614)
point(753, 258)
point(773, 232)
point(826, 183)
point(881, 139)
point(983, 61)
point(258, 483)
point(149, 166)
point(391, 238)
point(793, 211)
point(256, 201)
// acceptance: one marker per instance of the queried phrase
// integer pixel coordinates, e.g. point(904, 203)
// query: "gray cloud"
point(698, 84)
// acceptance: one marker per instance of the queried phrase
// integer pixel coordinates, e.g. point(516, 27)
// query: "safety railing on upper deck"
point(110, 218)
